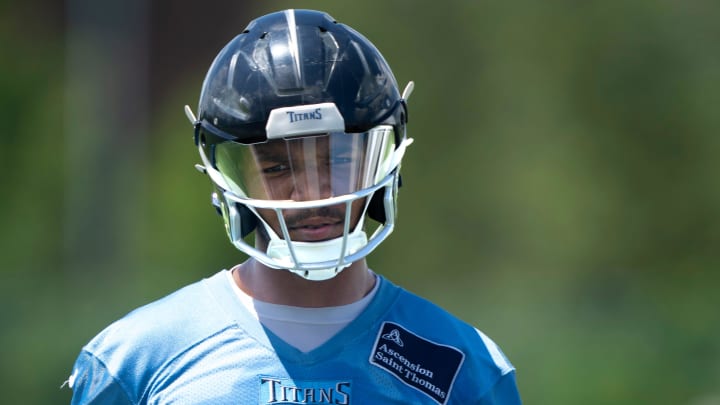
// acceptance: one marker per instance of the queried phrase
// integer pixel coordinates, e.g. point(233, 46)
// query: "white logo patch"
point(309, 119)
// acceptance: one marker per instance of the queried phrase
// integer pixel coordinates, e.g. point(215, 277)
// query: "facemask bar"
point(319, 250)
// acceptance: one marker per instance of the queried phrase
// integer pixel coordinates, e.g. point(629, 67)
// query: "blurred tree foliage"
point(562, 193)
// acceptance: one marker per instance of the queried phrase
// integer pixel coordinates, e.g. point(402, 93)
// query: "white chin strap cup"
point(315, 252)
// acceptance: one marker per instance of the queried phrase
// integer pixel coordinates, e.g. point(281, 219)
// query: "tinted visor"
point(307, 168)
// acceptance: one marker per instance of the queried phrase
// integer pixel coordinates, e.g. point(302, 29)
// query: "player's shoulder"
point(429, 316)
point(165, 325)
point(430, 321)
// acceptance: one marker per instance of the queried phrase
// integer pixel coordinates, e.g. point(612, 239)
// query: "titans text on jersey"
point(285, 391)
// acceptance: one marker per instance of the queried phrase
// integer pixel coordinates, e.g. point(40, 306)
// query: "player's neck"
point(283, 287)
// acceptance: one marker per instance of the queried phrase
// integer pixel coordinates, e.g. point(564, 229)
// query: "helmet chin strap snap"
point(287, 253)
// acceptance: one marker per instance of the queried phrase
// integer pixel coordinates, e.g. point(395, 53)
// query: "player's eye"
point(275, 169)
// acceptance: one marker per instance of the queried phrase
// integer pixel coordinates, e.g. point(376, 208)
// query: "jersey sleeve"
point(92, 383)
point(504, 392)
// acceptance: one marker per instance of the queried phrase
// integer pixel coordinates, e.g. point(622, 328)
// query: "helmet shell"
point(292, 58)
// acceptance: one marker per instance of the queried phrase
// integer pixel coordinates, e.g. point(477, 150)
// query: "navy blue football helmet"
point(302, 129)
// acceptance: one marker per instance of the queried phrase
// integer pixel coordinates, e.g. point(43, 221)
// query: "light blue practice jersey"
point(200, 345)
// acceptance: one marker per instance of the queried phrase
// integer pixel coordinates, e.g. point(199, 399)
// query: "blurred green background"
point(562, 193)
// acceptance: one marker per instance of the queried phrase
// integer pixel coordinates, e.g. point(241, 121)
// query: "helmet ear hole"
point(248, 220)
point(376, 208)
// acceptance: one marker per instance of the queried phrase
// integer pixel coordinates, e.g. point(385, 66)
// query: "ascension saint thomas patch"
point(427, 366)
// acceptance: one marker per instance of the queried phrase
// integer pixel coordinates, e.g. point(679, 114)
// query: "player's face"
point(308, 169)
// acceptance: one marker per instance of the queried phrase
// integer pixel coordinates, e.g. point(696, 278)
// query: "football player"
point(301, 128)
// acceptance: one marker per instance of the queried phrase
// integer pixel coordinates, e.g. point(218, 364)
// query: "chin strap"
point(304, 252)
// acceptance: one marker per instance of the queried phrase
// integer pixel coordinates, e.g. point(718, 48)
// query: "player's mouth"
point(316, 229)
